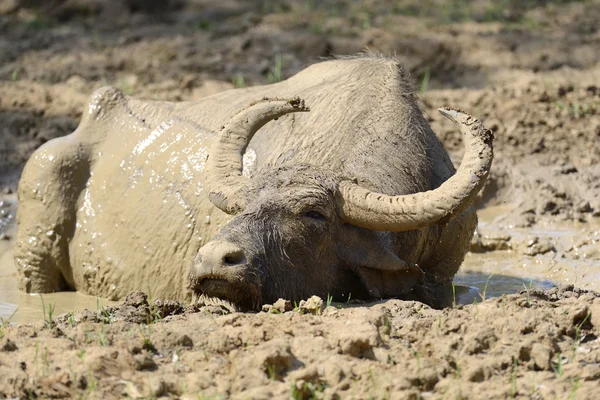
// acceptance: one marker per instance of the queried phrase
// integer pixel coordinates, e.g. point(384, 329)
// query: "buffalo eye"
point(315, 215)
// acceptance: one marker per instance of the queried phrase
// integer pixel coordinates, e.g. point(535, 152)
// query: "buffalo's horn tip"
point(450, 113)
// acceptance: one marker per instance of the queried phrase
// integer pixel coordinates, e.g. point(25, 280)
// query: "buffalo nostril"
point(235, 257)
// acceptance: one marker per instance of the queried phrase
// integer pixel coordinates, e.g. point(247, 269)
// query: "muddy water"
point(495, 273)
point(22, 307)
point(575, 258)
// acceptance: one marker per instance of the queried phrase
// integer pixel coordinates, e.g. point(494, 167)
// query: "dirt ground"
point(529, 69)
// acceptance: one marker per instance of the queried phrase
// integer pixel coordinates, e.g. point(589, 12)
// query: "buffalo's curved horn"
point(223, 170)
point(376, 211)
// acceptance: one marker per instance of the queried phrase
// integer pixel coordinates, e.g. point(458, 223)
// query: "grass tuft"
point(274, 75)
point(425, 81)
point(487, 281)
point(49, 315)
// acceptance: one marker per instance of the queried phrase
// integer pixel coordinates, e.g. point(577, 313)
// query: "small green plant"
point(146, 338)
point(39, 22)
point(457, 370)
point(49, 316)
point(81, 354)
point(103, 314)
point(202, 24)
point(372, 381)
point(349, 297)
point(576, 110)
point(45, 361)
point(329, 300)
point(271, 372)
point(275, 71)
point(71, 319)
point(315, 389)
point(513, 379)
point(126, 88)
point(366, 22)
point(15, 75)
point(528, 290)
point(92, 383)
point(101, 337)
point(487, 281)
point(37, 352)
point(558, 366)
point(295, 394)
point(425, 81)
point(298, 309)
point(574, 388)
point(6, 322)
point(577, 339)
point(453, 295)
point(239, 81)
point(153, 309)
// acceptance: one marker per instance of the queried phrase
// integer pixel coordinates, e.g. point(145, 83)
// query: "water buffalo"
point(347, 192)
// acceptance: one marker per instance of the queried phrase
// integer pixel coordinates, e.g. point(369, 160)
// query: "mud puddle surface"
point(20, 307)
point(505, 259)
point(529, 70)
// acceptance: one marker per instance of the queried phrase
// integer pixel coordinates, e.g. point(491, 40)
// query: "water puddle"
point(17, 306)
point(573, 259)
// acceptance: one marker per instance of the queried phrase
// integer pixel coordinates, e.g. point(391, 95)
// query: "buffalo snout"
point(218, 255)
point(221, 270)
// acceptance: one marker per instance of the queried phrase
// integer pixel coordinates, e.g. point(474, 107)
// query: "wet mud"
point(527, 315)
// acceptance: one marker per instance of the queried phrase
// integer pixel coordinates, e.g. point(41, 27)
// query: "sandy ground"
point(529, 69)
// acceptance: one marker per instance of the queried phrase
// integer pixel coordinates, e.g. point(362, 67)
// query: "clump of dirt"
point(535, 343)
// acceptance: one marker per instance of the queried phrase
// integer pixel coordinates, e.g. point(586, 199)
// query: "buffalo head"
point(301, 230)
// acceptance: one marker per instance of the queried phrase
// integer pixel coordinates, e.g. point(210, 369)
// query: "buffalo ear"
point(381, 271)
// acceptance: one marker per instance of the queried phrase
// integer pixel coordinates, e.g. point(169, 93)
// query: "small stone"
point(167, 307)
point(136, 299)
point(313, 305)
point(185, 341)
point(267, 308)
point(157, 386)
point(144, 362)
point(580, 315)
point(541, 355)
point(283, 305)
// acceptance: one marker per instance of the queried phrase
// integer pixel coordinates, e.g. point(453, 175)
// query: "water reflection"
point(494, 285)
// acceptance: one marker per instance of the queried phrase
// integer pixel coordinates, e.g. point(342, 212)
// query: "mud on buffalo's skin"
point(346, 191)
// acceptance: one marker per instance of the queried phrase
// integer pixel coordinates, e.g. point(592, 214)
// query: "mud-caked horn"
point(223, 171)
point(376, 211)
